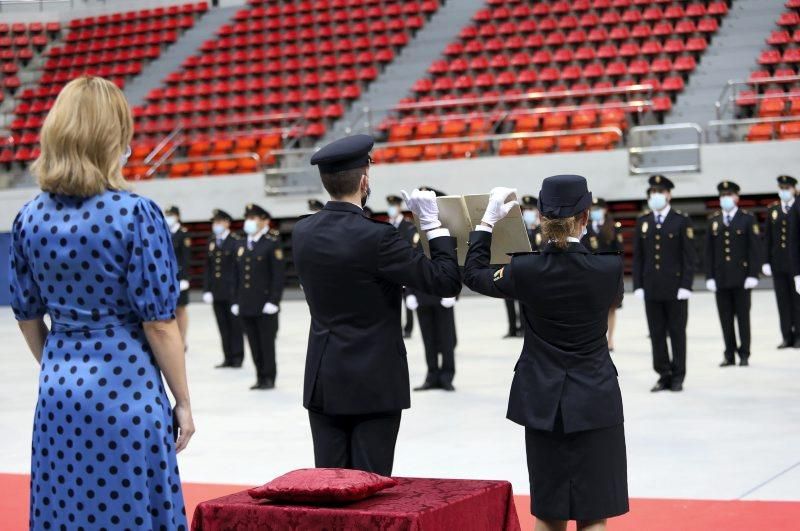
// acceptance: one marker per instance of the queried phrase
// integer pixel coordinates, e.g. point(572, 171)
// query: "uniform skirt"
point(577, 476)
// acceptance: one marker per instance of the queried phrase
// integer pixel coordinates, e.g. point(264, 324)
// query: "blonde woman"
point(98, 261)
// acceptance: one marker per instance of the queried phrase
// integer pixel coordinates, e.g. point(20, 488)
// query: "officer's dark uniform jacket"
point(776, 236)
point(732, 253)
point(183, 247)
point(353, 270)
point(663, 256)
point(260, 274)
point(597, 242)
point(220, 270)
point(565, 295)
point(535, 236)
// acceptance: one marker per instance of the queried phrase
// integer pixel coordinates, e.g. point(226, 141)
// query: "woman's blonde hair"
point(557, 230)
point(83, 138)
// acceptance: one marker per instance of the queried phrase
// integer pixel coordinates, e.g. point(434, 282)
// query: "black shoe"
point(659, 386)
point(256, 385)
point(512, 333)
point(235, 365)
point(269, 383)
point(785, 344)
point(744, 363)
point(448, 386)
point(676, 387)
point(426, 387)
point(223, 365)
point(727, 363)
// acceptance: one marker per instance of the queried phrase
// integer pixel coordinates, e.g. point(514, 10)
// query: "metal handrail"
point(634, 148)
point(175, 132)
point(733, 85)
point(719, 124)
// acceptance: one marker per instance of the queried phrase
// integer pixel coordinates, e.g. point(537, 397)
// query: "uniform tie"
point(249, 244)
point(219, 242)
point(727, 220)
point(659, 218)
point(785, 209)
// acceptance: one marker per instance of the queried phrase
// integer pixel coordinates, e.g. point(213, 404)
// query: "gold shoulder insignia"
point(690, 233)
point(187, 242)
point(212, 246)
point(275, 232)
point(775, 214)
point(620, 239)
point(279, 254)
point(240, 252)
point(645, 226)
point(499, 274)
point(593, 242)
point(538, 238)
point(756, 229)
point(774, 204)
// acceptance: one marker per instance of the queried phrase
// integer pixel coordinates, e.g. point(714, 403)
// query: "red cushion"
point(323, 485)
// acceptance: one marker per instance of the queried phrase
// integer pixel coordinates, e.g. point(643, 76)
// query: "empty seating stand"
point(570, 52)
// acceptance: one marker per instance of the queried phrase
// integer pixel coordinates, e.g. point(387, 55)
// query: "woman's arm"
point(479, 275)
point(35, 333)
point(165, 341)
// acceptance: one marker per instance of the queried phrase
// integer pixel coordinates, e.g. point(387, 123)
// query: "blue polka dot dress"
point(103, 455)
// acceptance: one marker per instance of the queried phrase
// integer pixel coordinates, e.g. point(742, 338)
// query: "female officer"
point(565, 389)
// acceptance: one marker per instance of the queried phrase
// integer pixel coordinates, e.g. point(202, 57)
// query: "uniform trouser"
point(230, 332)
point(438, 328)
point(668, 317)
point(409, 326)
point(261, 331)
point(360, 442)
point(513, 318)
point(734, 304)
point(788, 306)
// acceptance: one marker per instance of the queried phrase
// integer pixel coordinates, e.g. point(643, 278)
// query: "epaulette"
point(183, 229)
point(602, 253)
point(235, 236)
point(682, 213)
point(774, 204)
point(714, 214)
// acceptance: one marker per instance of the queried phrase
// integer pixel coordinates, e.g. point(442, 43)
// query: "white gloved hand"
point(711, 285)
point(448, 302)
point(750, 282)
point(235, 310)
point(208, 298)
point(270, 309)
point(684, 294)
point(639, 294)
point(797, 283)
point(184, 285)
point(412, 303)
point(767, 270)
point(498, 208)
point(424, 206)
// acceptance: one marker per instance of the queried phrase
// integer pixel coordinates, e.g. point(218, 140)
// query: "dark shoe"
point(235, 365)
point(744, 363)
point(426, 387)
point(676, 387)
point(659, 386)
point(785, 344)
point(448, 386)
point(727, 363)
point(269, 383)
point(223, 365)
point(511, 334)
point(256, 385)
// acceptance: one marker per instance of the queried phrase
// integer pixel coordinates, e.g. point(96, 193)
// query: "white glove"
point(684, 294)
point(270, 309)
point(711, 285)
point(235, 310)
point(497, 208)
point(412, 303)
point(424, 206)
point(750, 282)
point(184, 285)
point(639, 294)
point(448, 302)
point(767, 270)
point(208, 298)
point(797, 283)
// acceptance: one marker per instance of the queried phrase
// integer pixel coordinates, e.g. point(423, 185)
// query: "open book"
point(460, 214)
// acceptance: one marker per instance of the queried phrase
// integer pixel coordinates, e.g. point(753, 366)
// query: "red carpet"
point(649, 514)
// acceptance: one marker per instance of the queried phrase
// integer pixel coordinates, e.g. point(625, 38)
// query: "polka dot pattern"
point(103, 455)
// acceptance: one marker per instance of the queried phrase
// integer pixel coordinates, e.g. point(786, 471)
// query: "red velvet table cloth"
point(413, 505)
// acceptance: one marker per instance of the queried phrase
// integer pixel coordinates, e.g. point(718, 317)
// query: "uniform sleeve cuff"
point(435, 233)
point(484, 228)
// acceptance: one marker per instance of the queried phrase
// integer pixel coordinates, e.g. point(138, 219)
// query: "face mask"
point(365, 198)
point(171, 220)
point(393, 211)
point(218, 229)
point(123, 159)
point(250, 226)
point(727, 203)
point(531, 217)
point(785, 195)
point(597, 215)
point(657, 201)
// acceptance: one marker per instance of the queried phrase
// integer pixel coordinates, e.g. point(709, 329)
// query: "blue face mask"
point(250, 226)
point(597, 215)
point(657, 201)
point(218, 229)
point(727, 203)
point(786, 195)
point(531, 217)
point(393, 211)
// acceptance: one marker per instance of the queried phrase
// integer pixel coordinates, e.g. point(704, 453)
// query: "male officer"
point(218, 286)
point(663, 270)
point(353, 270)
point(732, 263)
point(530, 214)
point(182, 244)
point(778, 261)
point(409, 232)
point(259, 286)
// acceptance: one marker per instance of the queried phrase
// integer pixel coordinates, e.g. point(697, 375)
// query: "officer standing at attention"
point(732, 261)
point(530, 215)
point(408, 231)
point(219, 284)
point(353, 270)
point(604, 235)
point(259, 286)
point(663, 271)
point(778, 261)
point(182, 244)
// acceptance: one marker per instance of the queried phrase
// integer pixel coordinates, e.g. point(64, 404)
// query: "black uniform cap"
point(659, 182)
point(344, 154)
point(438, 193)
point(529, 201)
point(787, 179)
point(728, 187)
point(564, 196)
point(173, 211)
point(599, 202)
point(394, 199)
point(315, 205)
point(218, 213)
point(255, 210)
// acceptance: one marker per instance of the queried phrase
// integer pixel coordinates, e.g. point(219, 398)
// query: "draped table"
point(413, 505)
